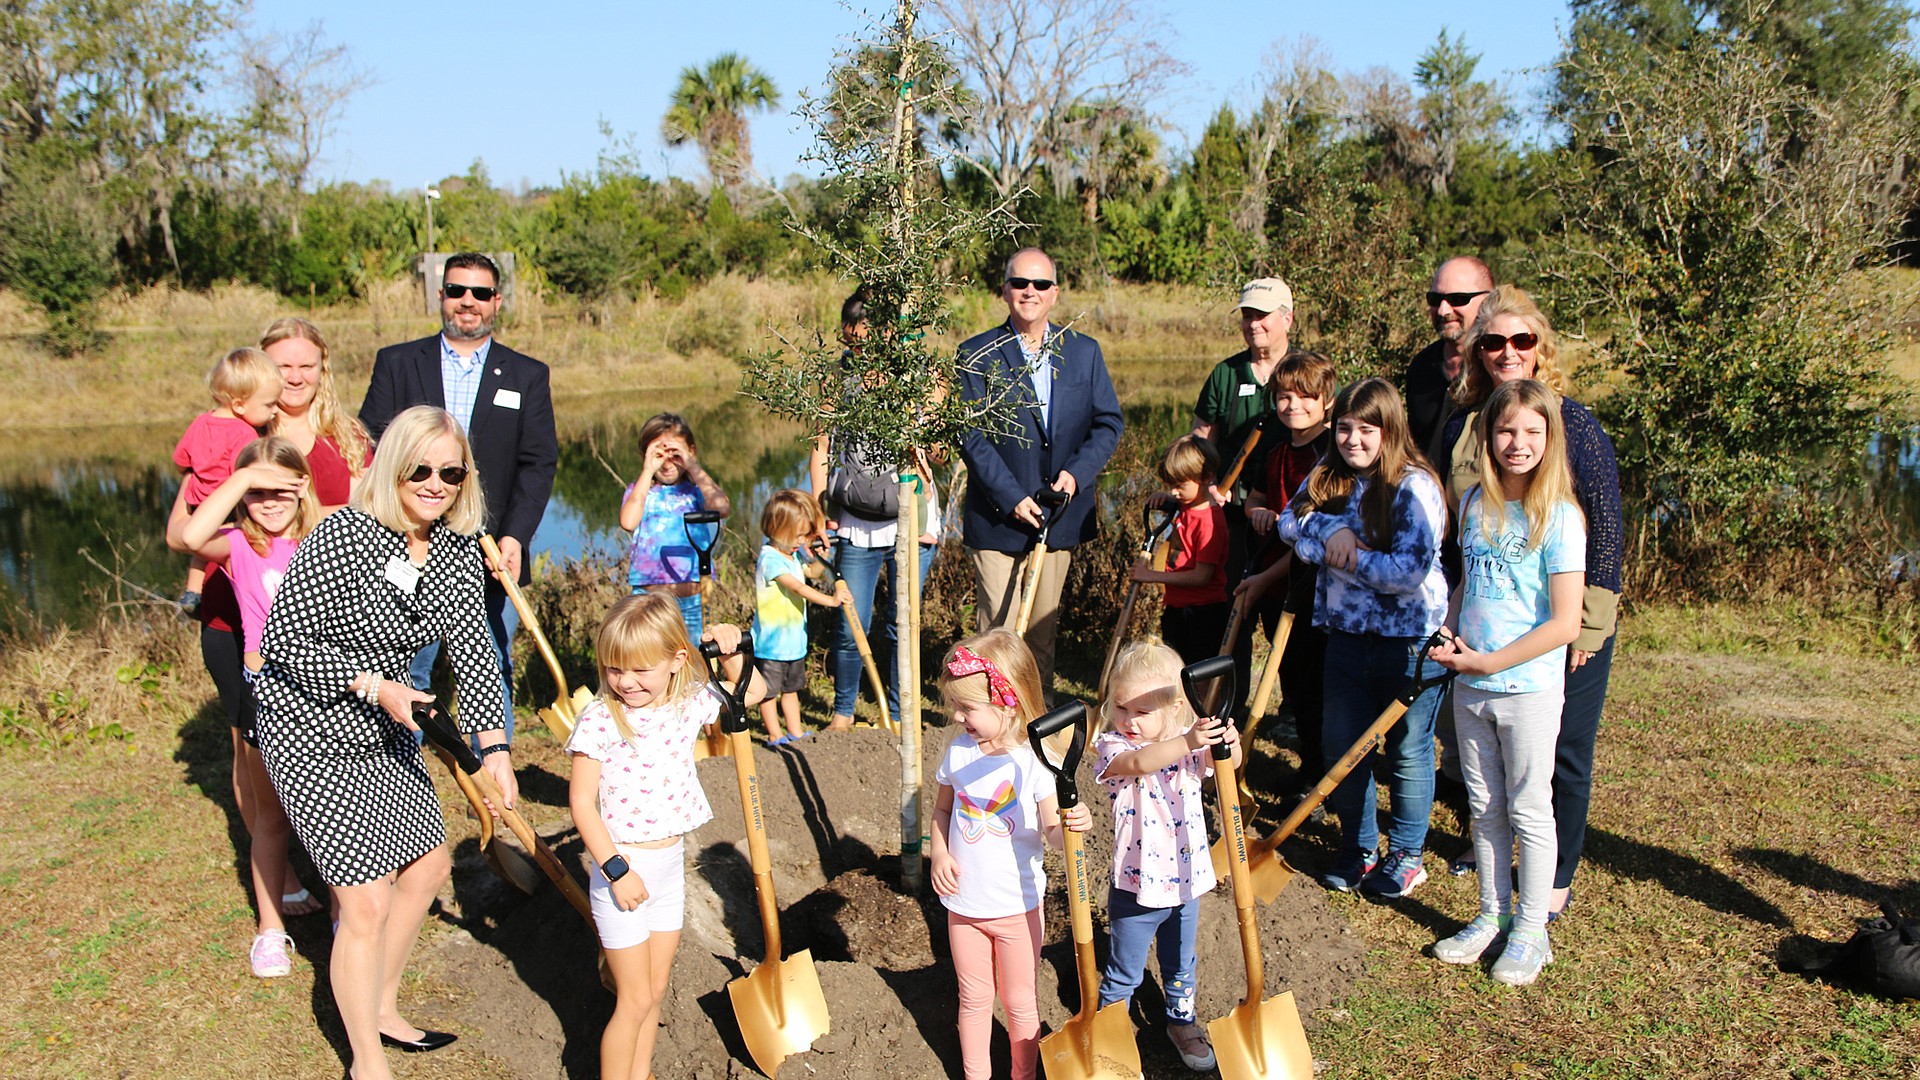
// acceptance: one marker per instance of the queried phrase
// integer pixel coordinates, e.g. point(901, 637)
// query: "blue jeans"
point(869, 574)
point(1133, 929)
point(1573, 758)
point(1364, 674)
point(503, 620)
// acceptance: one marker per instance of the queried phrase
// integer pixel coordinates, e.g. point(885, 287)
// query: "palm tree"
point(709, 107)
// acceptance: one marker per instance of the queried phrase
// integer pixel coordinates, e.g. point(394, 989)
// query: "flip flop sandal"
point(303, 900)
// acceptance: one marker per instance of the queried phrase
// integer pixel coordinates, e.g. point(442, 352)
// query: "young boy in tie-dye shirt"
point(780, 595)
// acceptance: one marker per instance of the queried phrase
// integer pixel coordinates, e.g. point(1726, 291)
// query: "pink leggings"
point(1002, 954)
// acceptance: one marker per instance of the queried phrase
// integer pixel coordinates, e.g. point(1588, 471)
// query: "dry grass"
point(1756, 779)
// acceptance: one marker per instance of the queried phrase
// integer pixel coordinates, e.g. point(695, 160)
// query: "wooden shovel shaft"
point(1032, 580)
point(1243, 901)
point(866, 649)
point(1269, 675)
point(531, 840)
point(748, 775)
point(563, 703)
point(1240, 460)
point(1080, 906)
point(1348, 762)
point(1119, 635)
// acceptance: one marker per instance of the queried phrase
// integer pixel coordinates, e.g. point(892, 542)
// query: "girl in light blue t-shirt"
point(1523, 543)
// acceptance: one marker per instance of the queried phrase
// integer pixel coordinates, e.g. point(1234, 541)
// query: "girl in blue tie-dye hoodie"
point(1371, 516)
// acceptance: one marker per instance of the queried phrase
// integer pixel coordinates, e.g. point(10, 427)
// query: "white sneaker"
point(271, 955)
point(1527, 952)
point(1473, 940)
point(1191, 1041)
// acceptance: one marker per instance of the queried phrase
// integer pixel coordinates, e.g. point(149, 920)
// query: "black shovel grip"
point(1420, 684)
point(1193, 678)
point(733, 718)
point(438, 727)
point(1071, 714)
point(703, 517)
point(1051, 496)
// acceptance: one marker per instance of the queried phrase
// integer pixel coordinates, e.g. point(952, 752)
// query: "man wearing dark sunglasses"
point(1054, 421)
point(1453, 299)
point(504, 401)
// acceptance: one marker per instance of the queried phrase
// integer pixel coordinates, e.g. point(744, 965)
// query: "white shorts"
point(664, 872)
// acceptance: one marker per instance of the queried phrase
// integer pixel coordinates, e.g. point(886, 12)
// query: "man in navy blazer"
point(1059, 421)
point(504, 401)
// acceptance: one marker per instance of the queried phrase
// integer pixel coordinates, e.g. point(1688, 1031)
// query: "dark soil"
point(526, 997)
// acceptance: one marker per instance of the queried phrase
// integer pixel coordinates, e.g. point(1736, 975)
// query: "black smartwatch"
point(615, 868)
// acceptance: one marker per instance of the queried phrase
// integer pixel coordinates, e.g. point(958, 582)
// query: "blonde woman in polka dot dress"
point(398, 568)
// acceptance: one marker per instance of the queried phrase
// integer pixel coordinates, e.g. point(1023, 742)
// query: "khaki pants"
point(998, 578)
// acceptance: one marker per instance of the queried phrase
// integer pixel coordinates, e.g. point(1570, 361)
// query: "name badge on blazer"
point(404, 575)
point(507, 399)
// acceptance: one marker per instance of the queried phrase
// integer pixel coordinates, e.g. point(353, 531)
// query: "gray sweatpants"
point(1506, 752)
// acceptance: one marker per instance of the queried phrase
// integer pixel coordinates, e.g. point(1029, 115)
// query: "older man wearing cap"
point(1236, 395)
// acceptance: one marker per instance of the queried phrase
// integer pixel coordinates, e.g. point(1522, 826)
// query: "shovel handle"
point(705, 551)
point(532, 842)
point(747, 774)
point(1080, 909)
point(1240, 459)
point(1269, 675)
point(1235, 834)
point(1200, 681)
point(492, 551)
point(861, 643)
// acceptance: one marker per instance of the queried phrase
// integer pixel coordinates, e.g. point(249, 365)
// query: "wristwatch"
point(615, 868)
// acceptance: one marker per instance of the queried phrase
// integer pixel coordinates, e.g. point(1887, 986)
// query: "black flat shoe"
point(428, 1040)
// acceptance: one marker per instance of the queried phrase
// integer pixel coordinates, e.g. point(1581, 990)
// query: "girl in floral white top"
point(634, 794)
point(1152, 759)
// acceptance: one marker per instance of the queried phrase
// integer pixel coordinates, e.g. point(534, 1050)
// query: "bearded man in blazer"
point(504, 401)
point(1065, 423)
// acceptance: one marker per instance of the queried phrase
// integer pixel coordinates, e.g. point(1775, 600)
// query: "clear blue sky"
point(524, 86)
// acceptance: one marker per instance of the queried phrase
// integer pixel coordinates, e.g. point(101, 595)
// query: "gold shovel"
point(1097, 1044)
point(1258, 1040)
point(558, 716)
point(1270, 872)
point(1050, 501)
point(779, 1004)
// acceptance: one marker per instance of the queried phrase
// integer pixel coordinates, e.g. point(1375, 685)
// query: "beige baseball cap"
point(1266, 294)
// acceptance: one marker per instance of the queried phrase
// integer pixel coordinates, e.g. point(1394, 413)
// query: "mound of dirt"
point(530, 1003)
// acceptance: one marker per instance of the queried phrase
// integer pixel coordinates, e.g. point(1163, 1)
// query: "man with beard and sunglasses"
point(504, 402)
point(1453, 298)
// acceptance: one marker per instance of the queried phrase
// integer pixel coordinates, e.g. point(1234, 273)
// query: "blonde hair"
point(791, 514)
point(277, 451)
point(240, 374)
point(1151, 663)
point(1005, 650)
point(640, 631)
point(1474, 383)
point(325, 416)
point(1549, 484)
point(401, 447)
point(1376, 403)
point(1190, 457)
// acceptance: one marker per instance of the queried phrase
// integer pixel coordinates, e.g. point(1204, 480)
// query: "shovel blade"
point(559, 725)
point(1262, 1041)
point(780, 1009)
point(1097, 1047)
point(1269, 871)
point(513, 864)
point(713, 743)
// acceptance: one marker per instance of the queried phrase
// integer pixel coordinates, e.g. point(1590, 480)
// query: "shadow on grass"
point(205, 752)
point(1810, 873)
point(1681, 875)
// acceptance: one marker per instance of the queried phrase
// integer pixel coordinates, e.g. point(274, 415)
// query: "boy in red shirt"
point(1195, 615)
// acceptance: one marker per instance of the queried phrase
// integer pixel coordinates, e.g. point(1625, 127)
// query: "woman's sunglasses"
point(450, 475)
point(1491, 344)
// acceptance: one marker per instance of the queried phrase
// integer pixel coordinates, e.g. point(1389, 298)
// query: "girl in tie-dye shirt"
point(994, 814)
point(1152, 759)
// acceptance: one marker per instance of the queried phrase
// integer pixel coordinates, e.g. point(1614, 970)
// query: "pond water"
point(82, 514)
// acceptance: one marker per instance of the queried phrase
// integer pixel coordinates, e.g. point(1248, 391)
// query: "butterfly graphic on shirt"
point(993, 818)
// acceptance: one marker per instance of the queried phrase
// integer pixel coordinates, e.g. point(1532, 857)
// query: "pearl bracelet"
point(369, 689)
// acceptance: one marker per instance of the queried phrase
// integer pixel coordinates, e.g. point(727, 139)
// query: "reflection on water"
point(110, 494)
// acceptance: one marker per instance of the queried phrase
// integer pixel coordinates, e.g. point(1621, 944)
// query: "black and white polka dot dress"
point(352, 779)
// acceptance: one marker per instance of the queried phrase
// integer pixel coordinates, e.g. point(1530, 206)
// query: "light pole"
point(432, 193)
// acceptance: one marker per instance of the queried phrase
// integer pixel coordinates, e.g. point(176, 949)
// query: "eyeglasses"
point(1491, 344)
point(451, 475)
point(482, 293)
point(1454, 299)
point(1039, 284)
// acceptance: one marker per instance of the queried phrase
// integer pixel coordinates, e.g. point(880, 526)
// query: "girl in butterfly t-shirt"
point(992, 819)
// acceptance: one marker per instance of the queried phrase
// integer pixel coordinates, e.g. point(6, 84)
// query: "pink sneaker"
point(272, 954)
